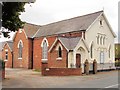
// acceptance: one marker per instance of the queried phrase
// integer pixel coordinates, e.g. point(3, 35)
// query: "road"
point(22, 78)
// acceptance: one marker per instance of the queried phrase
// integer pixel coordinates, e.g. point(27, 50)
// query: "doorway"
point(78, 60)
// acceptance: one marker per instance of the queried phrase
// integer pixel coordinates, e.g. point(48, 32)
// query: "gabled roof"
point(69, 25)
point(30, 29)
point(68, 42)
point(10, 44)
point(1, 45)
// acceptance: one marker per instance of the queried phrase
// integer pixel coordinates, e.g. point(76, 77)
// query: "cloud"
point(47, 11)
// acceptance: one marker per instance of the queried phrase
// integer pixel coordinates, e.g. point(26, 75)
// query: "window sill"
point(44, 59)
point(19, 58)
point(59, 58)
point(5, 60)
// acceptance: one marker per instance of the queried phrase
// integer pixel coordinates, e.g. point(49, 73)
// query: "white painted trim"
point(94, 22)
point(53, 45)
point(59, 45)
point(109, 26)
point(63, 45)
point(105, 20)
point(3, 45)
point(8, 46)
point(19, 43)
point(85, 45)
point(45, 39)
point(44, 59)
point(19, 58)
point(5, 60)
point(20, 30)
point(36, 33)
point(6, 50)
point(25, 34)
point(59, 58)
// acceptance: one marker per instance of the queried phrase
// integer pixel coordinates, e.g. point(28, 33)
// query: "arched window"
point(101, 40)
point(102, 57)
point(98, 39)
point(59, 52)
point(109, 51)
point(44, 50)
point(91, 51)
point(6, 55)
point(20, 47)
point(101, 22)
point(104, 41)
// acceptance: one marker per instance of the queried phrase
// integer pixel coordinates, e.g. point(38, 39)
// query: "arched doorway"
point(78, 60)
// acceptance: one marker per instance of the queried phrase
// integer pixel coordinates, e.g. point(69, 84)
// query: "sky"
point(47, 11)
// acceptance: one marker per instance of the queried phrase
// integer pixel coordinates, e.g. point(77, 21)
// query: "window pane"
point(20, 50)
point(6, 56)
point(59, 52)
point(44, 50)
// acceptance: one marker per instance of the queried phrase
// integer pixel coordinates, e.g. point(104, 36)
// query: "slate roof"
point(10, 43)
point(30, 29)
point(1, 45)
point(69, 25)
point(69, 43)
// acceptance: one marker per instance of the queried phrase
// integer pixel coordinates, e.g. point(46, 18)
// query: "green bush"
point(2, 64)
point(117, 63)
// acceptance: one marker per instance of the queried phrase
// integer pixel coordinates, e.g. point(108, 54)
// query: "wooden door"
point(78, 60)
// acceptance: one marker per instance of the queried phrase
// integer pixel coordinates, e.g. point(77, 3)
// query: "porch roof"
point(69, 43)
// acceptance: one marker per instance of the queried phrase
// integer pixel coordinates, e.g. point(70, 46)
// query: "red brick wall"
point(37, 50)
point(53, 62)
point(72, 34)
point(60, 71)
point(3, 73)
point(30, 51)
point(25, 61)
point(8, 63)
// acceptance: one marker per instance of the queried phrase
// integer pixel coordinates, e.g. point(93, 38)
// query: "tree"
point(10, 16)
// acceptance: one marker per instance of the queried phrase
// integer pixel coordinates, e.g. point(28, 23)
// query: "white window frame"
point(20, 58)
point(57, 49)
point(102, 57)
point(44, 58)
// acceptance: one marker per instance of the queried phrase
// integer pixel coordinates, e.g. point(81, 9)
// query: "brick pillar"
point(3, 73)
point(94, 66)
point(44, 66)
point(86, 67)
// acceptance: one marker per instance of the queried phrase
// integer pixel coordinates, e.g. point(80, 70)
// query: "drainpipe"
point(12, 58)
point(32, 54)
point(67, 60)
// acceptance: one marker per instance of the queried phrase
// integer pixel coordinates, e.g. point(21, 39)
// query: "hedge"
point(117, 63)
point(2, 64)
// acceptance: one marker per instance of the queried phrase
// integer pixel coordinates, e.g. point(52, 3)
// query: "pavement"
point(23, 78)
